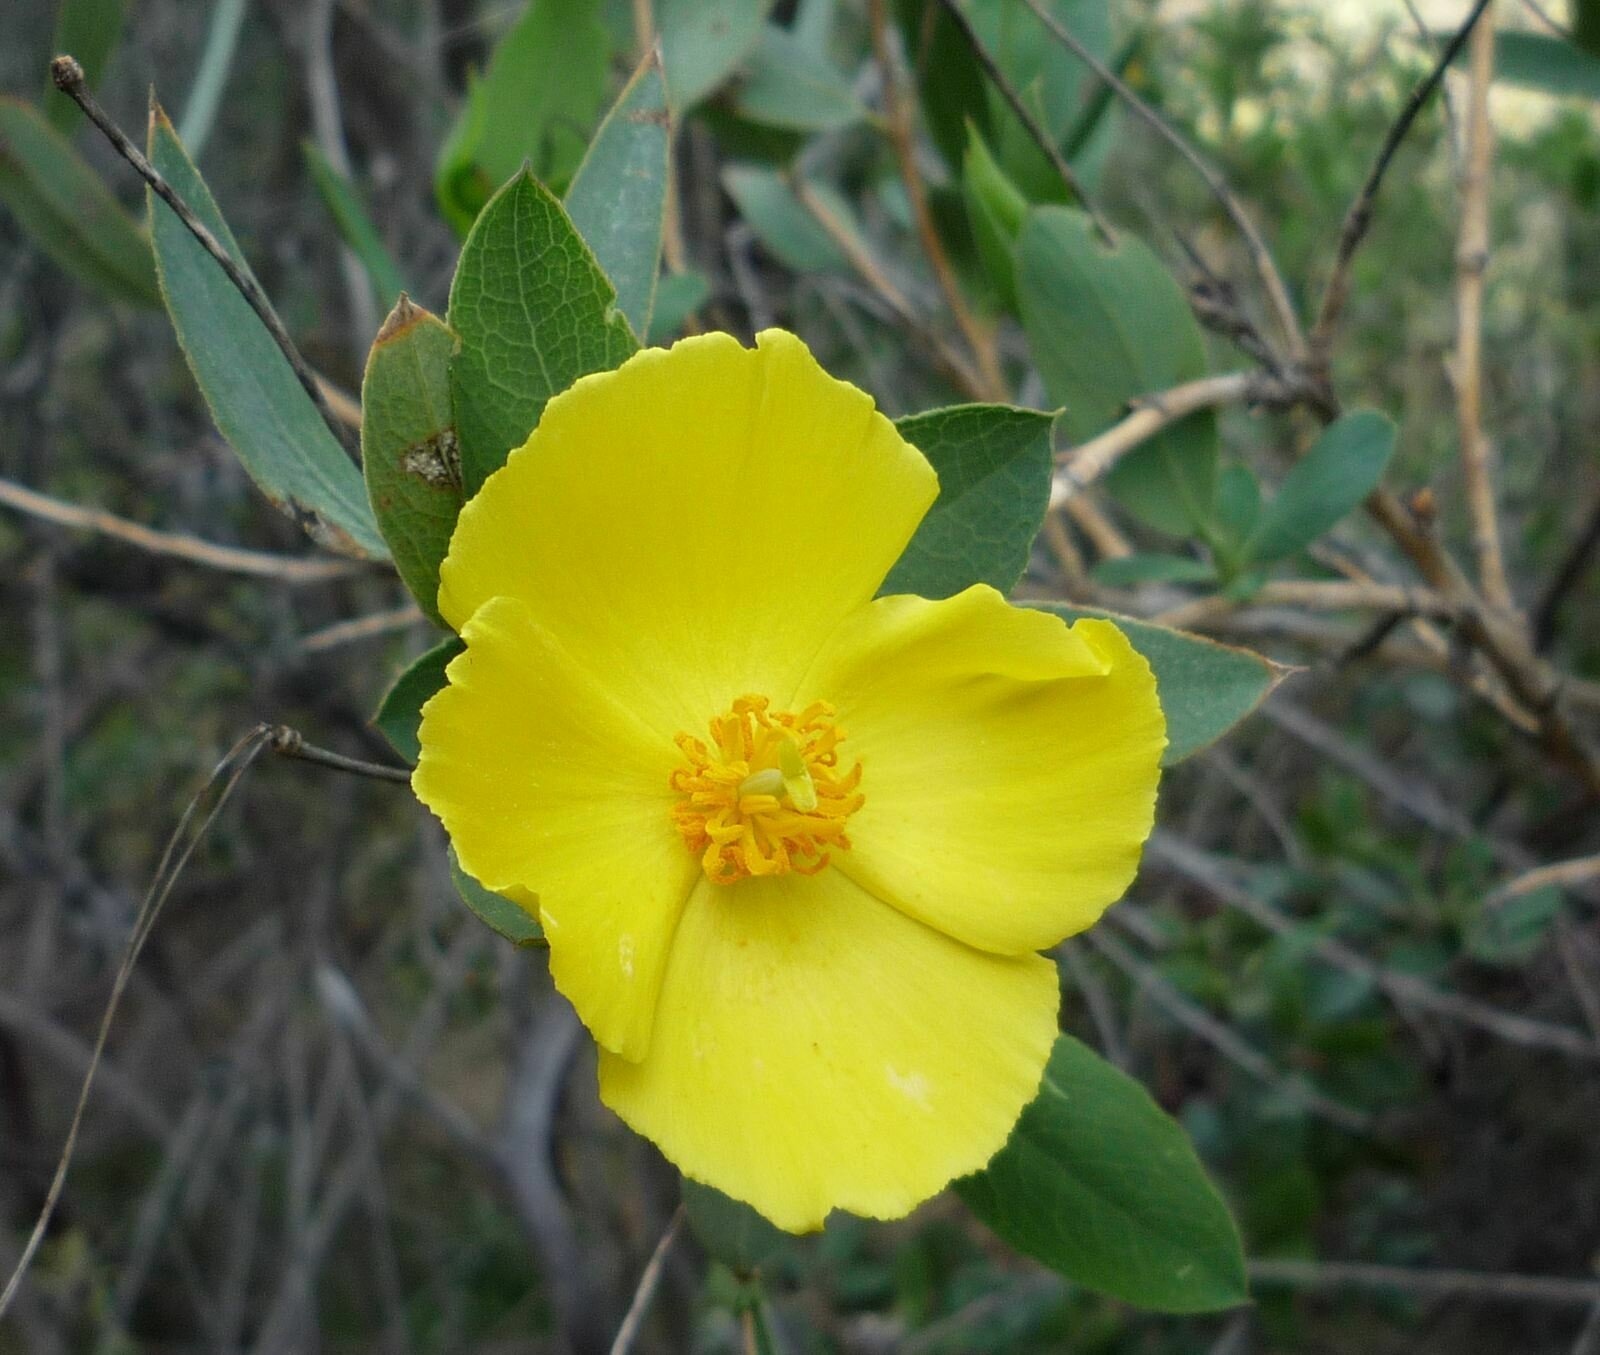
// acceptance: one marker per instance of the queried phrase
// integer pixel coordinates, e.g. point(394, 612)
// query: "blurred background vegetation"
point(338, 1113)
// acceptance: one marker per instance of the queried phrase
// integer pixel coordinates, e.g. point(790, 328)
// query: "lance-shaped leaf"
point(1101, 1185)
point(618, 197)
point(254, 396)
point(409, 450)
point(67, 210)
point(356, 227)
point(1106, 324)
point(534, 313)
point(511, 920)
point(1341, 468)
point(1204, 688)
point(994, 486)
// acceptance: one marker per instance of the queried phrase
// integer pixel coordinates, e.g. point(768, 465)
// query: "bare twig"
point(1359, 217)
point(290, 743)
point(1578, 871)
point(1472, 260)
point(1266, 268)
point(897, 114)
point(1318, 595)
point(648, 1281)
point(1471, 1283)
point(287, 568)
point(69, 79)
point(360, 628)
point(1041, 138)
point(180, 847)
point(1088, 461)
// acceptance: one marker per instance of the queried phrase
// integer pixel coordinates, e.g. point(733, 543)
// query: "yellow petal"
point(815, 1050)
point(1009, 763)
point(551, 790)
point(695, 523)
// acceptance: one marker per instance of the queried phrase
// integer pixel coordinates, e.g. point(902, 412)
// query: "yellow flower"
point(794, 849)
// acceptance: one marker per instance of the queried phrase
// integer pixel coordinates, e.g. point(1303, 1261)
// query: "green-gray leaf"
point(1124, 571)
point(1102, 1186)
point(678, 296)
point(399, 714)
point(1204, 688)
point(1107, 324)
point(994, 486)
point(67, 210)
point(511, 920)
point(703, 40)
point(1546, 63)
point(253, 393)
point(409, 450)
point(1342, 467)
point(789, 83)
point(996, 210)
point(795, 238)
point(534, 313)
point(619, 194)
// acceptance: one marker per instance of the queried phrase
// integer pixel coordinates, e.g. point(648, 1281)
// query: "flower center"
point(765, 795)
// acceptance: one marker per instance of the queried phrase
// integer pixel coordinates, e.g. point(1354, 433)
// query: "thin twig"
point(361, 628)
point(69, 79)
point(1088, 461)
point(174, 858)
point(1041, 138)
point(1359, 217)
point(646, 1291)
point(1473, 1283)
point(1317, 595)
point(286, 568)
point(1578, 871)
point(290, 743)
point(1260, 255)
point(1472, 260)
point(902, 137)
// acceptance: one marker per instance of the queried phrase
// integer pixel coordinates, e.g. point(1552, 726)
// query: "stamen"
point(765, 796)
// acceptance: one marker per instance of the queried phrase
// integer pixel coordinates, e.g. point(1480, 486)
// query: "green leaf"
point(1101, 1185)
point(399, 714)
point(781, 220)
point(511, 920)
point(789, 83)
point(87, 30)
point(996, 210)
point(730, 1230)
point(1238, 504)
point(1548, 63)
point(703, 40)
point(1152, 567)
point(1586, 25)
point(254, 396)
point(409, 450)
point(1342, 467)
point(67, 210)
point(534, 313)
point(535, 103)
point(618, 197)
point(994, 468)
point(1205, 688)
point(1107, 324)
point(1512, 931)
point(950, 82)
point(678, 296)
point(356, 228)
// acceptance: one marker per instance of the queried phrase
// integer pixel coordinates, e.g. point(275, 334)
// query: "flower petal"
point(547, 785)
point(815, 1049)
point(1009, 763)
point(695, 523)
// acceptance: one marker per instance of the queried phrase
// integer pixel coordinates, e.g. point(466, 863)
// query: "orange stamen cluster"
point(765, 795)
